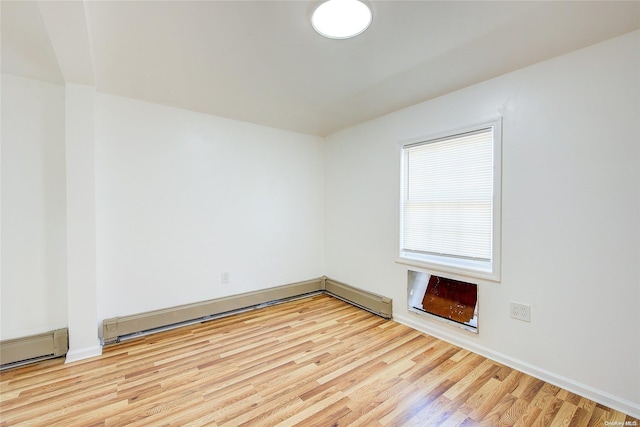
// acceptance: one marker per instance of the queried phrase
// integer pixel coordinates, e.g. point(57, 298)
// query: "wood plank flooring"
point(311, 362)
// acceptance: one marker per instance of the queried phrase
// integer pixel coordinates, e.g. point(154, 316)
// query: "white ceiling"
point(261, 62)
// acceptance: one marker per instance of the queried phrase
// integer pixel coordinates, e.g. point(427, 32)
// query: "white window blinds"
point(447, 197)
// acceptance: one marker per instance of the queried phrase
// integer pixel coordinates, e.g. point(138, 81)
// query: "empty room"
point(320, 213)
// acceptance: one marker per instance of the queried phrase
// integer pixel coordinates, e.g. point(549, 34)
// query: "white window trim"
point(465, 268)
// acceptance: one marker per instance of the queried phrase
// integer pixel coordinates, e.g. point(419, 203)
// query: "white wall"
point(183, 197)
point(570, 210)
point(81, 222)
point(33, 284)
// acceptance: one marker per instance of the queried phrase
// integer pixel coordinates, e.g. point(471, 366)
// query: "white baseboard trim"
point(83, 353)
point(614, 402)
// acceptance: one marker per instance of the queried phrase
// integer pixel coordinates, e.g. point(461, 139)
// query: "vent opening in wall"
point(448, 300)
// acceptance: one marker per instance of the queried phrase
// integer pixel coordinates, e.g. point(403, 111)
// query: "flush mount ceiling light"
point(341, 19)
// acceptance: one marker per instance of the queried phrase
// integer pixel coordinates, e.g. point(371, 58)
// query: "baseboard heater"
point(366, 300)
point(33, 348)
point(118, 328)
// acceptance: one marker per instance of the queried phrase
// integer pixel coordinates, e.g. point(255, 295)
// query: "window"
point(450, 202)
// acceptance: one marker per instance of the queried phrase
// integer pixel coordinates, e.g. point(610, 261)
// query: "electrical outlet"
point(521, 311)
point(224, 277)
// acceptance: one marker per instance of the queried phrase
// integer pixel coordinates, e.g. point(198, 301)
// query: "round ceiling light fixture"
point(341, 19)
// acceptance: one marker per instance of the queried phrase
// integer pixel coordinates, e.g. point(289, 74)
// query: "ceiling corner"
point(67, 25)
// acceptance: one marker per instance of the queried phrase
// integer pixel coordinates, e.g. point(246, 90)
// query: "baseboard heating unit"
point(366, 300)
point(119, 328)
point(20, 351)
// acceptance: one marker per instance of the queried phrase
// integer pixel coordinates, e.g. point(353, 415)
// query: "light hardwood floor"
point(311, 362)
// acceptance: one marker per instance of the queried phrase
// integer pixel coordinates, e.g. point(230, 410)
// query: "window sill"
point(457, 269)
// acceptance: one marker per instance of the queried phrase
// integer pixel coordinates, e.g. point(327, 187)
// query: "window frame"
point(447, 264)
